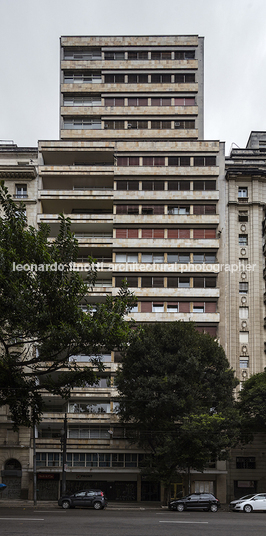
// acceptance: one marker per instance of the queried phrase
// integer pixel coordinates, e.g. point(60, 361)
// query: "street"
point(79, 522)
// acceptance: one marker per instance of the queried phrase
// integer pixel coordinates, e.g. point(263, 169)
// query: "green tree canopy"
point(41, 321)
point(176, 398)
point(252, 405)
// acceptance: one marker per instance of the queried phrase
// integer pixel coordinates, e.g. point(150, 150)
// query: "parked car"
point(196, 501)
point(232, 503)
point(87, 497)
point(254, 502)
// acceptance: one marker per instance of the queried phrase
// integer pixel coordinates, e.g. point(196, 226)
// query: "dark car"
point(87, 497)
point(196, 501)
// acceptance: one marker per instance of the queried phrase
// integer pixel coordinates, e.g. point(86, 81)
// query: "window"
point(127, 209)
point(138, 55)
point(201, 161)
point(104, 460)
point(125, 161)
point(93, 407)
point(199, 258)
point(185, 55)
point(178, 233)
point(138, 78)
point(126, 233)
point(243, 288)
point(157, 307)
point(127, 185)
point(114, 78)
point(243, 337)
point(137, 124)
point(185, 78)
point(243, 239)
point(179, 185)
point(185, 101)
point(82, 53)
point(160, 101)
point(114, 125)
point(21, 191)
point(245, 462)
point(114, 55)
point(137, 101)
point(179, 161)
point(152, 185)
point(160, 125)
point(178, 257)
point(152, 233)
point(204, 282)
point(152, 282)
point(82, 100)
point(131, 280)
point(152, 257)
point(172, 307)
point(204, 233)
point(82, 123)
point(161, 78)
point(153, 161)
point(243, 313)
point(198, 307)
point(178, 282)
point(78, 77)
point(244, 363)
point(185, 209)
point(161, 55)
point(182, 124)
point(243, 215)
point(242, 192)
point(114, 101)
point(204, 209)
point(126, 257)
point(204, 185)
point(152, 209)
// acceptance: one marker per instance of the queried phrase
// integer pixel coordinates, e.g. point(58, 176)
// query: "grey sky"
point(235, 57)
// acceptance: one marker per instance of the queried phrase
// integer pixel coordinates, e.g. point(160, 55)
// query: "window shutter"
point(146, 307)
point(173, 233)
point(198, 233)
point(210, 233)
point(158, 233)
point(184, 233)
point(210, 307)
point(184, 307)
point(121, 233)
point(147, 233)
point(133, 233)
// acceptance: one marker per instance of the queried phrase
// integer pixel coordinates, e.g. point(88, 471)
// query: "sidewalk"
point(112, 505)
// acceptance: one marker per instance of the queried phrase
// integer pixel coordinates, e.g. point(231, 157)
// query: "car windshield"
point(246, 497)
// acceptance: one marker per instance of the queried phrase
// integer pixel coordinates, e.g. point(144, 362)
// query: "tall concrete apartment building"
point(141, 186)
point(145, 194)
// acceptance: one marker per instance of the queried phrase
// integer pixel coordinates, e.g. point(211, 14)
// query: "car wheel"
point(180, 507)
point(213, 508)
point(65, 505)
point(97, 505)
point(247, 508)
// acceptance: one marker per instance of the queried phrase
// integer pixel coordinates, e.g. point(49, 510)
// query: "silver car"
point(249, 503)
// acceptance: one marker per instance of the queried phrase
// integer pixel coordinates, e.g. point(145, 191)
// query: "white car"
point(249, 504)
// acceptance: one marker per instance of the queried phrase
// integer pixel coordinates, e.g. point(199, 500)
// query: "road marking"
point(22, 518)
point(194, 522)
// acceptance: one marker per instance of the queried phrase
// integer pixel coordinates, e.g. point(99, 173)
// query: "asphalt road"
point(86, 522)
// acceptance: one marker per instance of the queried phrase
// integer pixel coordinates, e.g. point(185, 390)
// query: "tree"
point(252, 406)
point(41, 321)
point(176, 399)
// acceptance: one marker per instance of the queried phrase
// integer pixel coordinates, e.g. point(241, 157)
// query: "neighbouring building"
point(18, 169)
point(245, 299)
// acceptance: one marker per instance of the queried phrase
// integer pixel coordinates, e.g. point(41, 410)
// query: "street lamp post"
point(63, 448)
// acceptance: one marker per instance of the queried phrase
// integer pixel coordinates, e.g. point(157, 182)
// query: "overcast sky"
point(235, 58)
